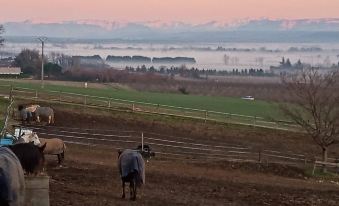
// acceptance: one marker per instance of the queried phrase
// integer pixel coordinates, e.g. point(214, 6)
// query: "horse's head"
point(33, 137)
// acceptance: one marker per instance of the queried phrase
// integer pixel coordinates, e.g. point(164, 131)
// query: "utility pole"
point(42, 40)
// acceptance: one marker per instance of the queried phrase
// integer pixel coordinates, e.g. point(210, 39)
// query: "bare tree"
point(2, 30)
point(316, 105)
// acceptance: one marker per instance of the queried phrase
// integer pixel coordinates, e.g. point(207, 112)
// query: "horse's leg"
point(59, 159)
point(131, 191)
point(49, 119)
point(134, 188)
point(38, 118)
point(123, 189)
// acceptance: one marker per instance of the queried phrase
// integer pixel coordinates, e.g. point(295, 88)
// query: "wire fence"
point(143, 107)
point(174, 147)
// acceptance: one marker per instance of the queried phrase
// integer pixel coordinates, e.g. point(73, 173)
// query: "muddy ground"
point(90, 175)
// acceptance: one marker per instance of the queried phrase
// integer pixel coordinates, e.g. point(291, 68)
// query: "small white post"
point(142, 141)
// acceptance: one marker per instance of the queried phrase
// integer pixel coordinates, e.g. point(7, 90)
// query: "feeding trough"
point(9, 139)
point(37, 191)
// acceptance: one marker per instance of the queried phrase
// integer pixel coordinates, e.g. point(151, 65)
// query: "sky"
point(190, 11)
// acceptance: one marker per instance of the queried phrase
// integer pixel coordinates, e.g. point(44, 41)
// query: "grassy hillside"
point(211, 103)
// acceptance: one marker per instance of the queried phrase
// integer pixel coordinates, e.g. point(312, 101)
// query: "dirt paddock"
point(90, 175)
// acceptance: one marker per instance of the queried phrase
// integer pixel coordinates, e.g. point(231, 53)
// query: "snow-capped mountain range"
point(324, 30)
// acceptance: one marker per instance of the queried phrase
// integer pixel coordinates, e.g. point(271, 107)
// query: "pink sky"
point(192, 11)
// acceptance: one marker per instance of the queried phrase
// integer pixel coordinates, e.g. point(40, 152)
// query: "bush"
point(183, 90)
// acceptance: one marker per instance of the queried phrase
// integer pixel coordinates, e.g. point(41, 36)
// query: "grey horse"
point(44, 112)
point(12, 183)
point(132, 169)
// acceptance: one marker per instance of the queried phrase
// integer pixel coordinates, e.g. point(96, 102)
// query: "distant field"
point(210, 103)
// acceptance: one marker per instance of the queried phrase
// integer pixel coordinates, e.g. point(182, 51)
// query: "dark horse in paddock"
point(26, 115)
point(132, 169)
point(14, 160)
point(31, 156)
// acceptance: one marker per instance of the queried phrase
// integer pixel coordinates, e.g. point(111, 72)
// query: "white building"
point(10, 70)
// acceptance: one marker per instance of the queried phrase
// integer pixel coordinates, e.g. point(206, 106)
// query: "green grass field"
point(211, 103)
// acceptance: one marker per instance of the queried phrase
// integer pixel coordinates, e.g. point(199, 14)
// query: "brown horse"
point(132, 169)
point(54, 146)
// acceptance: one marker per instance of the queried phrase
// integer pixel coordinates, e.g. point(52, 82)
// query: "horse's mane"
point(30, 156)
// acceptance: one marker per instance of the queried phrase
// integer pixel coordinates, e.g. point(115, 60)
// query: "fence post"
point(142, 141)
point(36, 94)
point(206, 114)
point(85, 100)
point(11, 93)
point(59, 96)
point(89, 147)
point(133, 108)
point(255, 120)
point(314, 165)
point(109, 103)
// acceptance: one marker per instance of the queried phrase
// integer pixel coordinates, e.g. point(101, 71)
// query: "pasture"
point(232, 105)
point(196, 162)
point(90, 174)
point(90, 177)
point(181, 173)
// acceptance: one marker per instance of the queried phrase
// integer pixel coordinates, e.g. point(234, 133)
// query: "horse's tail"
point(51, 118)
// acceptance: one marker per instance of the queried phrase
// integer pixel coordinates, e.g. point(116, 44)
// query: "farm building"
point(10, 70)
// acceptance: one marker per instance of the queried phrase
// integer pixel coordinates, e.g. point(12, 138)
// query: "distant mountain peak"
point(89, 28)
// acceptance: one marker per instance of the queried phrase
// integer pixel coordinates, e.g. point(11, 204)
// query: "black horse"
point(132, 169)
point(31, 156)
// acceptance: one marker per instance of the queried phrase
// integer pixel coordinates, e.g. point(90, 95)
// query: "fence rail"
point(144, 107)
point(174, 147)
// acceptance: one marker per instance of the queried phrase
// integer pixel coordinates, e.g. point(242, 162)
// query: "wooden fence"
point(143, 107)
point(175, 147)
